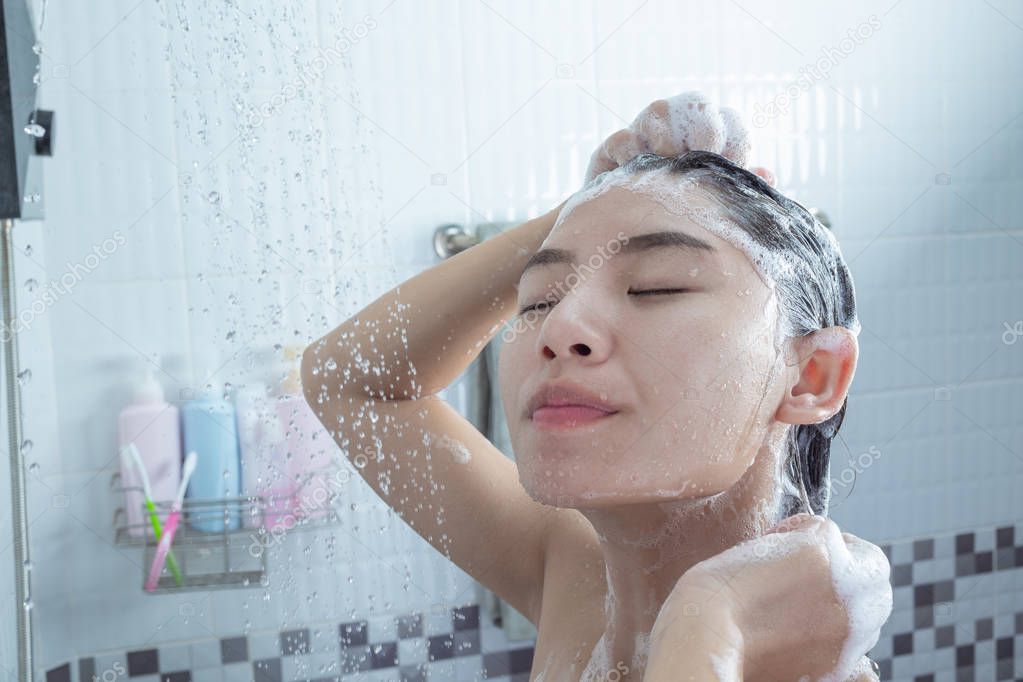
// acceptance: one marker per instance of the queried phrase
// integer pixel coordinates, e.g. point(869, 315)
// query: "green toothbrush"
point(154, 519)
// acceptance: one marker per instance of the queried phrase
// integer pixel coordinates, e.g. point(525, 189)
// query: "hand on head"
point(673, 126)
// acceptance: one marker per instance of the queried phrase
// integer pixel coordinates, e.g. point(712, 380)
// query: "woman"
point(683, 342)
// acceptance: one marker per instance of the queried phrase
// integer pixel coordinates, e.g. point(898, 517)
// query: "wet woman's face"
point(674, 332)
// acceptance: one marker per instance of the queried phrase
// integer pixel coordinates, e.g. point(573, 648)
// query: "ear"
point(827, 363)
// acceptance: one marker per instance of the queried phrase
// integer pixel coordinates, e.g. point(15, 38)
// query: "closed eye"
point(649, 292)
point(643, 292)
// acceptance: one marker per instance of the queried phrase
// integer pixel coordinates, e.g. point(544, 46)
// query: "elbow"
point(308, 372)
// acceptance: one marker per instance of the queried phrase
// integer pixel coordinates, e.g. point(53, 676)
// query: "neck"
point(648, 546)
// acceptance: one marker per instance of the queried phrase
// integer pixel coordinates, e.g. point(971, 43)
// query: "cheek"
point(715, 410)
point(507, 375)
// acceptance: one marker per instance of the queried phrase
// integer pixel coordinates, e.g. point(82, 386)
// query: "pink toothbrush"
point(170, 525)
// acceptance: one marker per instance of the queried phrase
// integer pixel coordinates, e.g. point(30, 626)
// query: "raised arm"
point(373, 380)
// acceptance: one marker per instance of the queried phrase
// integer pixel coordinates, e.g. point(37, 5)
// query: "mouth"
point(568, 416)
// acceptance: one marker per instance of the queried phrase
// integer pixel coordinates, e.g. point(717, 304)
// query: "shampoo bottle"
point(264, 474)
point(209, 428)
point(154, 426)
point(308, 449)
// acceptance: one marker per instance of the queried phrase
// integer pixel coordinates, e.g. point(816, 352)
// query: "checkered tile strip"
point(957, 616)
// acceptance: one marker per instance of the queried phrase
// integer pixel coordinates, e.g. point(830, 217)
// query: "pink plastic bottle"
point(306, 446)
point(264, 470)
point(154, 426)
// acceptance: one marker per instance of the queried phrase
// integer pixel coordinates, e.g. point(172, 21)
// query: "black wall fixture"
point(24, 130)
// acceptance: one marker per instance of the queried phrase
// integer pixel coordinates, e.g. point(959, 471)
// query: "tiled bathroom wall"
point(245, 230)
point(958, 615)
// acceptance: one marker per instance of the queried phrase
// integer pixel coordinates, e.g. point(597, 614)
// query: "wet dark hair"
point(817, 294)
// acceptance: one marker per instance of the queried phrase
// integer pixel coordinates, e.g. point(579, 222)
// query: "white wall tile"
point(157, 117)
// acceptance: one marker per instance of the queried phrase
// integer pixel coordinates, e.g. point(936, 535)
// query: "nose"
point(573, 329)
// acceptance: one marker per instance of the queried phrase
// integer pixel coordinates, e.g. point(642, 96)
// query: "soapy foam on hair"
point(672, 195)
point(659, 185)
point(672, 192)
point(695, 122)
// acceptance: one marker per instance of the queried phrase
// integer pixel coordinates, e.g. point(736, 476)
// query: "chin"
point(579, 494)
point(590, 496)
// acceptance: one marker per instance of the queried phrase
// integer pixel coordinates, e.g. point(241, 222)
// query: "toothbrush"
point(154, 519)
point(170, 525)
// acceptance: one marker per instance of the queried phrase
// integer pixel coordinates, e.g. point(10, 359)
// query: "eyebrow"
point(644, 242)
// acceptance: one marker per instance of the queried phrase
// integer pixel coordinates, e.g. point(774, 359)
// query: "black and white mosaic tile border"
point(407, 648)
point(958, 608)
point(957, 617)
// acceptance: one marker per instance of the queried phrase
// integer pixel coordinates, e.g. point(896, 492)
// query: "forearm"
point(417, 338)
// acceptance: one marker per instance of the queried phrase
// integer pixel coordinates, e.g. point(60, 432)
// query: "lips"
point(564, 403)
point(567, 416)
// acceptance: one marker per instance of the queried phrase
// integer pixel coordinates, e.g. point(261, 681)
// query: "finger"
point(866, 578)
point(654, 129)
point(623, 146)
point(800, 521)
point(863, 672)
point(697, 122)
point(737, 143)
point(599, 163)
point(871, 563)
point(839, 551)
point(767, 175)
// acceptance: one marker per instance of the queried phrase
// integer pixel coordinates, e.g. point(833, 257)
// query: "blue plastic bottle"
point(210, 429)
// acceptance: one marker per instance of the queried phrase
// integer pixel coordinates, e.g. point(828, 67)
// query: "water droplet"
point(33, 467)
point(230, 335)
point(34, 129)
point(24, 376)
point(330, 364)
point(213, 197)
point(26, 446)
point(28, 249)
point(31, 284)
